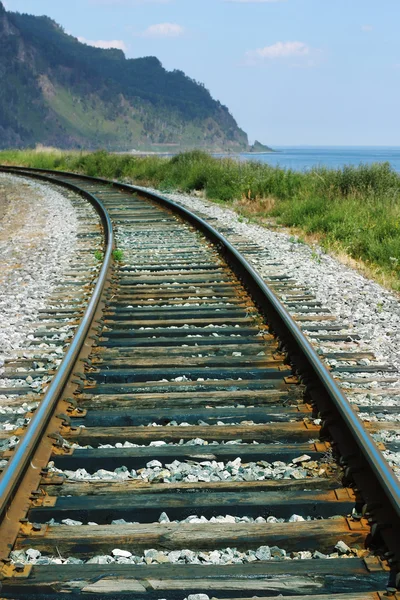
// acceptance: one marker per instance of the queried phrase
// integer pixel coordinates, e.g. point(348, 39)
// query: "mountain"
point(57, 91)
point(258, 147)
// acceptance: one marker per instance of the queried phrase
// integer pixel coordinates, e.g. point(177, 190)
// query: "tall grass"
point(354, 209)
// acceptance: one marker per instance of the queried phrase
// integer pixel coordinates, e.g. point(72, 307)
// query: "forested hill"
point(57, 91)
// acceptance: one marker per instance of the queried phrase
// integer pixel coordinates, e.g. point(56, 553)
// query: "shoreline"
point(214, 153)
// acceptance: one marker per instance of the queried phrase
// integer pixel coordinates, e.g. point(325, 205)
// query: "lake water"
point(305, 157)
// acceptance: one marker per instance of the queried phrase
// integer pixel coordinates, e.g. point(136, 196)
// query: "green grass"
point(118, 255)
point(91, 124)
point(355, 210)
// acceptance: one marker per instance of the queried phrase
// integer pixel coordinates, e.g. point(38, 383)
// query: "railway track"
point(191, 442)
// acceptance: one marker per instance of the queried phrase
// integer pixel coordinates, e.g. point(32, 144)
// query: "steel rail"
point(288, 330)
point(284, 326)
point(24, 452)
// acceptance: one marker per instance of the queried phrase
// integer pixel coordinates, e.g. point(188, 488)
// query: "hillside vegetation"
point(355, 210)
point(57, 91)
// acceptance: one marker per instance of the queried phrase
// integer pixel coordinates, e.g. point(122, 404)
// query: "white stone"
point(123, 553)
point(153, 463)
point(100, 560)
point(163, 518)
point(301, 458)
point(304, 555)
point(33, 554)
point(263, 553)
point(174, 556)
point(295, 519)
point(342, 547)
point(71, 522)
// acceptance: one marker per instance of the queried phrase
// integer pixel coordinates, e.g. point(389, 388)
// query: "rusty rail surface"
point(23, 456)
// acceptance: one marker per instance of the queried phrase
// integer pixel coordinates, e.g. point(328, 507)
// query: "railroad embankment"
point(37, 241)
point(353, 211)
point(162, 453)
point(195, 441)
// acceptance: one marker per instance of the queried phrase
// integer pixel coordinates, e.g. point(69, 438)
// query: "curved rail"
point(289, 332)
point(25, 449)
point(301, 352)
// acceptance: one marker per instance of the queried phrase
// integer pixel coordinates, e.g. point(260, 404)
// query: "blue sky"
point(292, 72)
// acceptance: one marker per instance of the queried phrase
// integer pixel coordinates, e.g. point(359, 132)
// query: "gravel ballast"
point(37, 241)
point(40, 245)
point(360, 305)
point(206, 471)
point(357, 302)
point(151, 556)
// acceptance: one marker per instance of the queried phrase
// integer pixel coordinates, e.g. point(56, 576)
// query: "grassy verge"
point(354, 210)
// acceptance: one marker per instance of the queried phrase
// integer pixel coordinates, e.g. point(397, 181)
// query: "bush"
point(355, 208)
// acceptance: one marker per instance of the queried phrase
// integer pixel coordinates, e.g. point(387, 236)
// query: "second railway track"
point(182, 444)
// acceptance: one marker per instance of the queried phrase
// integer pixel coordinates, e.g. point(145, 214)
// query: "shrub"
point(355, 208)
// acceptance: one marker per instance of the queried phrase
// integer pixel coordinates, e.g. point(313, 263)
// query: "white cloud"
point(253, 1)
point(292, 54)
point(280, 50)
point(366, 28)
point(127, 2)
point(163, 30)
point(106, 44)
